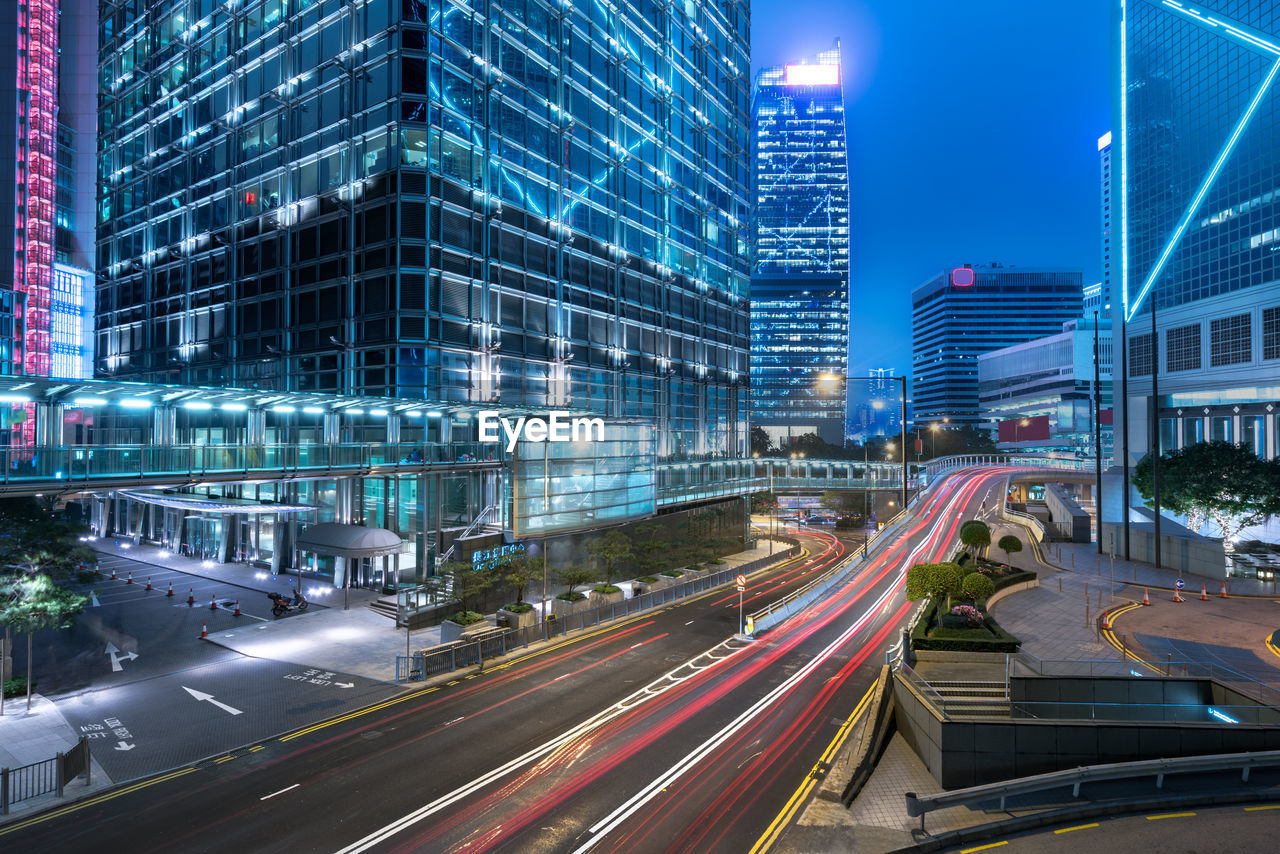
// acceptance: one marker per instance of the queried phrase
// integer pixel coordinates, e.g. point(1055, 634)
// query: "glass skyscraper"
point(535, 204)
point(962, 313)
point(1197, 95)
point(800, 267)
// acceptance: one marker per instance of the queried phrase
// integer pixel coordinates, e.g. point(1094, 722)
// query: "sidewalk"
point(355, 640)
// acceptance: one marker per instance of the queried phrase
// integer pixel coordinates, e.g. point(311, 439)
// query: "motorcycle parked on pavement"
point(283, 604)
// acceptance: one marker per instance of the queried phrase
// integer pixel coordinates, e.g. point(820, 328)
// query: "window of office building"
point(1182, 348)
point(1192, 431)
point(1230, 340)
point(1168, 434)
point(1220, 428)
point(1253, 434)
point(1271, 333)
point(1140, 355)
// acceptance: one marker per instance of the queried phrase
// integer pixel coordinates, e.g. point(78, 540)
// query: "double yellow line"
point(770, 837)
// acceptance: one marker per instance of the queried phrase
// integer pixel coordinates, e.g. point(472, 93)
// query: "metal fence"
point(41, 778)
point(497, 642)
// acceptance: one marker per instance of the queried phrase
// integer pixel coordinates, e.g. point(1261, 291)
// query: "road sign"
point(741, 581)
point(741, 589)
point(1179, 584)
point(751, 626)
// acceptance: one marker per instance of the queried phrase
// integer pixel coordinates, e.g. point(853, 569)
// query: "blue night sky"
point(973, 132)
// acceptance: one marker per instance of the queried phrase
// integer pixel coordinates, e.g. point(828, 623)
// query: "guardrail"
point(1033, 525)
point(45, 776)
point(920, 805)
point(1094, 668)
point(497, 642)
point(784, 607)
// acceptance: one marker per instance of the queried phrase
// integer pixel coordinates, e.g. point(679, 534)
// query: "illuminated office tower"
point(538, 206)
point(961, 313)
point(800, 266)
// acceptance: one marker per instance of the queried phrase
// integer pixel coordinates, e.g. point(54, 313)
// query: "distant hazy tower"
point(800, 271)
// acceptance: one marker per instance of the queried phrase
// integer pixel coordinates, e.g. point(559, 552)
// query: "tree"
point(975, 535)
point(760, 443)
point(576, 575)
point(519, 570)
point(977, 586)
point(1010, 545)
point(1215, 481)
point(611, 549)
point(934, 579)
point(761, 502)
point(469, 583)
point(31, 602)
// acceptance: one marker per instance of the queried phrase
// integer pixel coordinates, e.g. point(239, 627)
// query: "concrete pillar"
point(48, 423)
point(255, 427)
point(164, 425)
point(226, 537)
point(282, 548)
point(393, 429)
point(330, 428)
point(1269, 425)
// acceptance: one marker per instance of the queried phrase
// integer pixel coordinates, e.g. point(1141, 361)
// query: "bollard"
point(1059, 583)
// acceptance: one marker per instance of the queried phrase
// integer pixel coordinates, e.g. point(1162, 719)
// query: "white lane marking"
point(595, 722)
point(603, 827)
point(454, 721)
point(690, 623)
point(281, 792)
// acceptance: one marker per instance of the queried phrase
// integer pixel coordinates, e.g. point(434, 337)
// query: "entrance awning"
point(207, 504)
point(349, 541)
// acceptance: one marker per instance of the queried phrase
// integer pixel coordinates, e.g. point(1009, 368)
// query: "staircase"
point(973, 699)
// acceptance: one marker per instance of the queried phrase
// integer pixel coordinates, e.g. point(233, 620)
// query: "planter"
point(517, 620)
point(599, 600)
point(561, 608)
point(451, 631)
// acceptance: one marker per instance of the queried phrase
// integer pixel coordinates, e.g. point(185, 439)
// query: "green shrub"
point(518, 608)
point(928, 634)
point(607, 588)
point(694, 567)
point(715, 561)
point(18, 687)
point(673, 573)
point(647, 579)
point(977, 586)
point(572, 596)
point(466, 618)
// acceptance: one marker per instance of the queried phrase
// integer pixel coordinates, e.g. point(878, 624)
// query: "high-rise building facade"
point(1103, 298)
point(538, 206)
point(800, 263)
point(1196, 105)
point(962, 313)
point(48, 83)
point(875, 405)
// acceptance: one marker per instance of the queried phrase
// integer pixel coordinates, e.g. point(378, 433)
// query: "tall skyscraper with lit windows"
point(800, 266)
point(536, 205)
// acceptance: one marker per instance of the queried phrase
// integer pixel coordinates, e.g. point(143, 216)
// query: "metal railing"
point(497, 642)
point(920, 805)
point(105, 464)
point(1033, 525)
point(493, 510)
point(45, 776)
point(1123, 668)
point(936, 468)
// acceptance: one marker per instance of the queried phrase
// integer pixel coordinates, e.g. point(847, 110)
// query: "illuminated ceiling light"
point(355, 412)
point(435, 414)
point(197, 404)
point(135, 403)
point(414, 413)
point(14, 398)
point(313, 410)
point(378, 412)
point(284, 408)
point(89, 401)
point(234, 407)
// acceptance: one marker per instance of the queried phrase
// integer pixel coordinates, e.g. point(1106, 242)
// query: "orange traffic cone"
point(130, 581)
point(1224, 590)
point(1146, 597)
point(170, 593)
point(1204, 596)
point(204, 630)
point(236, 613)
point(1177, 595)
point(113, 575)
point(148, 582)
point(213, 603)
point(191, 596)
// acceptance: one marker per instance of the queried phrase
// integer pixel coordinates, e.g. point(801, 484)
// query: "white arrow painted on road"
point(345, 684)
point(93, 597)
point(200, 695)
point(122, 745)
point(116, 657)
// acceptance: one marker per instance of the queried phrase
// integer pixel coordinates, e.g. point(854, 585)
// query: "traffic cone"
point(236, 612)
point(113, 575)
point(204, 630)
point(97, 570)
point(191, 596)
point(1204, 595)
point(148, 582)
point(1224, 590)
point(1177, 595)
point(130, 581)
point(213, 603)
point(1146, 597)
point(170, 593)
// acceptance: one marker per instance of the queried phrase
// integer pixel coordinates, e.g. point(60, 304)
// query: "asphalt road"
point(655, 734)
